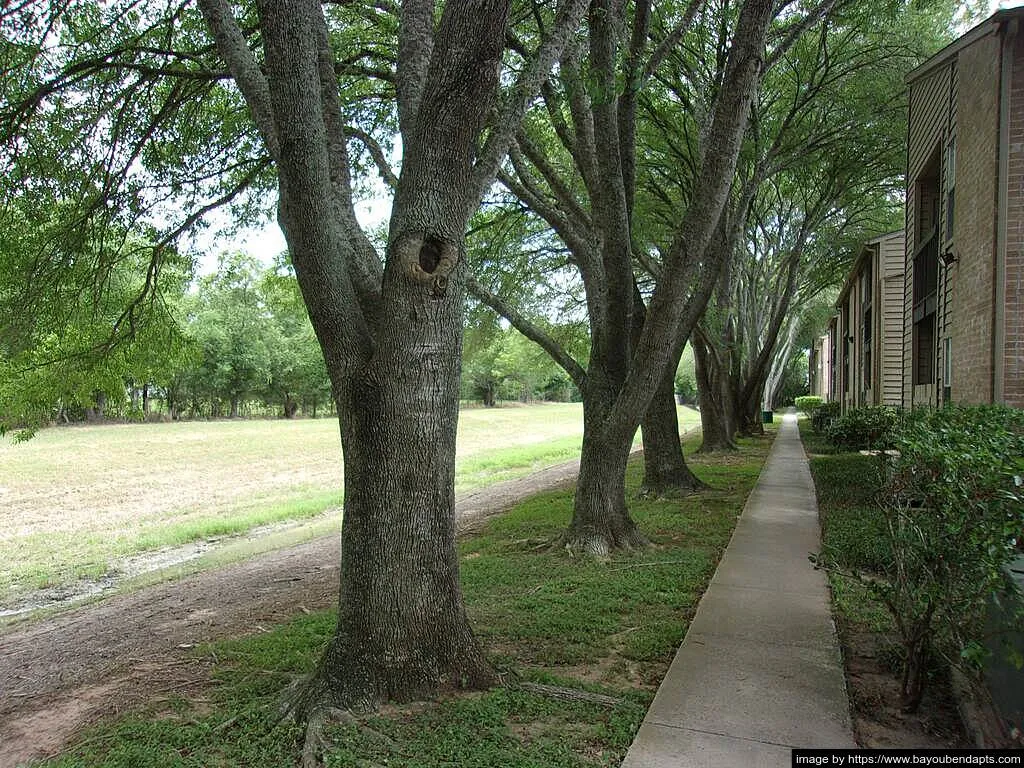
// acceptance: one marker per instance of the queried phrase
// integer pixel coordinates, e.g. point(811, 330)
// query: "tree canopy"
point(643, 151)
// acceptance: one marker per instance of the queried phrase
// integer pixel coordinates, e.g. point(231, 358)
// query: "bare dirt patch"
point(874, 689)
point(62, 673)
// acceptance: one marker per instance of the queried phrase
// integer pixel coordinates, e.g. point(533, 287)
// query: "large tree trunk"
point(749, 422)
point(402, 630)
point(290, 406)
point(665, 467)
point(748, 406)
point(715, 406)
point(97, 412)
point(600, 518)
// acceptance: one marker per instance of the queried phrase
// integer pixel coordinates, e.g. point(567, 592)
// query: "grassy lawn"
point(852, 534)
point(610, 628)
point(75, 502)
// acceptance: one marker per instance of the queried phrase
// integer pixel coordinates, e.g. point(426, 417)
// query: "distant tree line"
point(234, 343)
point(238, 343)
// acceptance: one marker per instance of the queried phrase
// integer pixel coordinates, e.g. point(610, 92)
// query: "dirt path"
point(65, 671)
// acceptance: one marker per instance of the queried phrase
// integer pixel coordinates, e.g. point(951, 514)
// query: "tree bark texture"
point(391, 333)
point(402, 629)
point(715, 404)
point(601, 522)
point(665, 469)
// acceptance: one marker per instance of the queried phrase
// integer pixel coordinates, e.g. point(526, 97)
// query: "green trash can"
point(767, 417)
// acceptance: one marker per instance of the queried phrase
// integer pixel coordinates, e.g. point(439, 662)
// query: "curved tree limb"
point(568, 15)
point(376, 153)
point(530, 330)
point(233, 48)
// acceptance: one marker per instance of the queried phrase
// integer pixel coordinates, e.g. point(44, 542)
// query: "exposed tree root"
point(324, 698)
point(601, 544)
point(315, 744)
point(711, 448)
point(568, 694)
point(673, 487)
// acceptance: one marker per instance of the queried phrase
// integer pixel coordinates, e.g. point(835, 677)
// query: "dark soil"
point(874, 688)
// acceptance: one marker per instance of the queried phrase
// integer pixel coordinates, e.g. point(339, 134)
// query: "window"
point(867, 331)
point(847, 342)
point(832, 362)
point(867, 348)
point(947, 369)
point(924, 350)
point(926, 272)
point(950, 188)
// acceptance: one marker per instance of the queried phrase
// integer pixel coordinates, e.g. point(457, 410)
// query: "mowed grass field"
point(75, 502)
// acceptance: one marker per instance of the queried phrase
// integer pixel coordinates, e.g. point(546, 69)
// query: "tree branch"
point(530, 330)
point(672, 39)
point(568, 15)
point(564, 197)
point(376, 152)
point(233, 48)
point(415, 48)
point(793, 34)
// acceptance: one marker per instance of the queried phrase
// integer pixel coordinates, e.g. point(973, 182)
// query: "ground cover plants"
point(581, 645)
point(75, 502)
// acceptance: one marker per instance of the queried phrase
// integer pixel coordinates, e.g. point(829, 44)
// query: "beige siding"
point(890, 319)
point(821, 372)
point(879, 381)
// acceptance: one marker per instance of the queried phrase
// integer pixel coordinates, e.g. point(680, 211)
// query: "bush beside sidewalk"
point(917, 538)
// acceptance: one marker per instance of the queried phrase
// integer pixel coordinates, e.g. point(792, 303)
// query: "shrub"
point(952, 509)
point(823, 417)
point(808, 404)
point(864, 429)
point(686, 388)
point(853, 531)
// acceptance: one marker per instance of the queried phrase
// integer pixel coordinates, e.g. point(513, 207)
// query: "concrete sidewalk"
point(759, 671)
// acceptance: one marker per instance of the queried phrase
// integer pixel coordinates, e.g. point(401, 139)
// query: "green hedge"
point(864, 429)
point(823, 417)
point(808, 404)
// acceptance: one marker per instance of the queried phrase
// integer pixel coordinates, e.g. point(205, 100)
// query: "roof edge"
point(987, 27)
point(865, 247)
point(884, 236)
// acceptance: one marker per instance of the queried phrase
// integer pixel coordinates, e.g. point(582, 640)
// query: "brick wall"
point(970, 311)
point(1013, 351)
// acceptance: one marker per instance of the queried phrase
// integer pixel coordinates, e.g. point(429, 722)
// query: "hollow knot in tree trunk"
point(427, 259)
